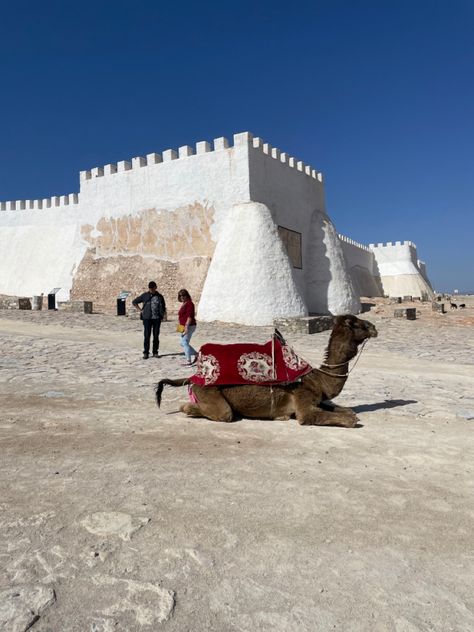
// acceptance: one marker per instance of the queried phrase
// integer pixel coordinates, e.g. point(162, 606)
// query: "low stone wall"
point(405, 312)
point(8, 302)
point(19, 302)
point(304, 325)
point(438, 307)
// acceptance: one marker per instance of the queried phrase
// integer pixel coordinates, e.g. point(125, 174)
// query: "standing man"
point(152, 312)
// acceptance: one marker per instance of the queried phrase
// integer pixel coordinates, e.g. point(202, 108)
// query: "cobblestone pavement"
point(117, 516)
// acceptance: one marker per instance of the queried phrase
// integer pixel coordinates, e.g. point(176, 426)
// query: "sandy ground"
point(119, 517)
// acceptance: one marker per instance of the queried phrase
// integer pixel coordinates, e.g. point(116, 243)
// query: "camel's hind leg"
point(307, 414)
point(210, 404)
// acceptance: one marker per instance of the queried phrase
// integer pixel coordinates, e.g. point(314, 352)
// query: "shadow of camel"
point(388, 403)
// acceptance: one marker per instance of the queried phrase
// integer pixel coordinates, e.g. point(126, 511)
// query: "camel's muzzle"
point(373, 333)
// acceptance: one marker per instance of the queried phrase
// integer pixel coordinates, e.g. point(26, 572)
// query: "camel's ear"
point(342, 321)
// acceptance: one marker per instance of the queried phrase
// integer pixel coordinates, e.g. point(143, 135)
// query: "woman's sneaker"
point(146, 356)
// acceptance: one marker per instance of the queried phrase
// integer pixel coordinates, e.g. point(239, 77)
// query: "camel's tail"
point(161, 383)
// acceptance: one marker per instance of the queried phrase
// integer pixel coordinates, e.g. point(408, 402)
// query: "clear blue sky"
point(378, 95)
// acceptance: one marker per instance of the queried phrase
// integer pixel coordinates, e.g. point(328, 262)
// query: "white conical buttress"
point(342, 298)
point(329, 286)
point(250, 279)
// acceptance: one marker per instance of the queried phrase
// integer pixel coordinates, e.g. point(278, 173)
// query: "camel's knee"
point(219, 414)
point(224, 416)
point(191, 410)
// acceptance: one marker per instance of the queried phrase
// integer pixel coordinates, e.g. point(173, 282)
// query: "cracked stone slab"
point(22, 606)
point(113, 523)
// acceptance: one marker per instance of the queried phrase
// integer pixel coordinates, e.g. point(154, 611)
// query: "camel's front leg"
point(340, 410)
point(308, 414)
point(210, 404)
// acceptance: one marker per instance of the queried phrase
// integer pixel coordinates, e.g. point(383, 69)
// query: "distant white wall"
point(399, 272)
point(40, 249)
point(362, 267)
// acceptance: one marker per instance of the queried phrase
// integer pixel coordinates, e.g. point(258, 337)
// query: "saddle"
point(274, 362)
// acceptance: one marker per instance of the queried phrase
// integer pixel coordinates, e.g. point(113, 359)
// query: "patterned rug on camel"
point(274, 362)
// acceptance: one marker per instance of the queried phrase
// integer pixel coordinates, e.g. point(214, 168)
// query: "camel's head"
point(358, 329)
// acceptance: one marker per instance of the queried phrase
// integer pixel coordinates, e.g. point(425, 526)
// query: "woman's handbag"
point(180, 329)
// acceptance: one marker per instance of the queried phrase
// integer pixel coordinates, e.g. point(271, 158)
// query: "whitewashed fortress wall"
point(390, 269)
point(401, 273)
point(155, 217)
point(38, 244)
point(213, 219)
point(294, 193)
point(362, 267)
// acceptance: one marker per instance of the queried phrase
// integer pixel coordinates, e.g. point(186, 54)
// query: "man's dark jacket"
point(145, 298)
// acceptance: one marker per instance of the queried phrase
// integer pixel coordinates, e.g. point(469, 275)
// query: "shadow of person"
point(388, 403)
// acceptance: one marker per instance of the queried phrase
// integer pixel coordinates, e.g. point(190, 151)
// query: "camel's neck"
point(339, 352)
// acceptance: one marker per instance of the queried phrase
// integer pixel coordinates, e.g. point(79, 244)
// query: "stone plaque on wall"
point(292, 242)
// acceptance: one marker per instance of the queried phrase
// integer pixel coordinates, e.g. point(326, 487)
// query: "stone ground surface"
point(119, 517)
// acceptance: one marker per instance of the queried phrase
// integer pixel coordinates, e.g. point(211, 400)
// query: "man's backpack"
point(162, 311)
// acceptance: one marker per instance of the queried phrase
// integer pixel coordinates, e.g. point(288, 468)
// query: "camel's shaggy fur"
point(305, 400)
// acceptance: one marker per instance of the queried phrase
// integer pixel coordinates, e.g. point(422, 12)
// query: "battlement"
point(352, 242)
point(168, 155)
point(293, 163)
point(186, 152)
point(52, 202)
point(202, 147)
point(393, 244)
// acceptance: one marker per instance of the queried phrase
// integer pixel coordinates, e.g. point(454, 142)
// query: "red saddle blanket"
point(274, 362)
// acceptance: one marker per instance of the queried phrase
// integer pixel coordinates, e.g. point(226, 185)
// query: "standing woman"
point(187, 325)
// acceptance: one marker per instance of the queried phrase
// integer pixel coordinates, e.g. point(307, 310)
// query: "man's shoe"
point(146, 356)
point(155, 355)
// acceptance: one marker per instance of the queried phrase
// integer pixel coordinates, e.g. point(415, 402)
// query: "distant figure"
point(462, 306)
point(454, 306)
point(152, 312)
point(187, 325)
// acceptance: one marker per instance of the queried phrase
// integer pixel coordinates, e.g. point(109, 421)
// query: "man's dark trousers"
point(151, 325)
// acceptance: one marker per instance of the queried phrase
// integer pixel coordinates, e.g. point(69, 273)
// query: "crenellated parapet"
point(202, 147)
point(352, 242)
point(52, 202)
point(166, 156)
point(136, 164)
point(391, 244)
point(283, 157)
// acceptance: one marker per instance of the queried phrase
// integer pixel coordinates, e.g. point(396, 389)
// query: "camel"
point(306, 400)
